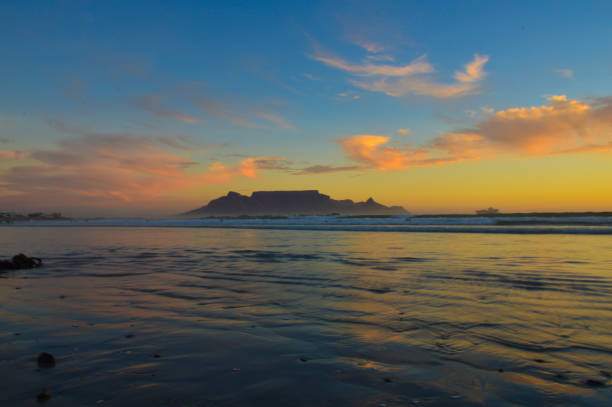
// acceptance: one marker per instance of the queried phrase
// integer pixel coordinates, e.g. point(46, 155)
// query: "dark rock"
point(539, 360)
point(44, 395)
point(19, 262)
point(129, 336)
point(304, 359)
point(605, 373)
point(500, 370)
point(156, 355)
point(387, 380)
point(46, 360)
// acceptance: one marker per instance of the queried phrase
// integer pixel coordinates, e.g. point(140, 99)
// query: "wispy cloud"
point(474, 71)
point(418, 66)
point(310, 76)
point(348, 95)
point(327, 169)
point(566, 73)
point(155, 105)
point(227, 111)
point(221, 111)
point(272, 163)
point(412, 78)
point(380, 57)
point(274, 118)
point(467, 82)
point(370, 46)
point(113, 168)
point(403, 132)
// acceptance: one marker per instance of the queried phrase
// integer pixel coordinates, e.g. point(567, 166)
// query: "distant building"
point(489, 211)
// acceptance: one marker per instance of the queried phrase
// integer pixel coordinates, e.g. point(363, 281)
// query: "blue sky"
point(288, 80)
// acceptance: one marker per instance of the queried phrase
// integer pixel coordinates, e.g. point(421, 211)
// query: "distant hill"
point(290, 203)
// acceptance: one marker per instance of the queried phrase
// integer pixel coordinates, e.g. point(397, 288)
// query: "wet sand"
point(189, 317)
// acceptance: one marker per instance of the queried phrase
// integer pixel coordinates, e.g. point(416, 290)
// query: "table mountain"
point(309, 202)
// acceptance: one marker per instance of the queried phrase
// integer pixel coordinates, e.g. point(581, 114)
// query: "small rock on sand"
point(19, 262)
point(44, 395)
point(46, 360)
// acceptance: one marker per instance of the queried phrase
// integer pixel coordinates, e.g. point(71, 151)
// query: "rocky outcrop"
point(19, 262)
point(309, 202)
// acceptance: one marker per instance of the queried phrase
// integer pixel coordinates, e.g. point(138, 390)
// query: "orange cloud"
point(403, 132)
point(12, 155)
point(369, 149)
point(563, 126)
point(113, 168)
point(474, 71)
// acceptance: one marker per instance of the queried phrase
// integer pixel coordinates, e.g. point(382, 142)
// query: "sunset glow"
point(411, 107)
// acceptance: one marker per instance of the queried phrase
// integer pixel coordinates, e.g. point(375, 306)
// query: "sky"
point(154, 108)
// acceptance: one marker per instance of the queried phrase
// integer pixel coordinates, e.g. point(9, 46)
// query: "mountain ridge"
point(304, 202)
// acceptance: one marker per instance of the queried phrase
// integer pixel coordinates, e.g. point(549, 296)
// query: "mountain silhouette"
point(309, 202)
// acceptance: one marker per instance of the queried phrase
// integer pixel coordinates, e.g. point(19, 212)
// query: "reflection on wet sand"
point(262, 317)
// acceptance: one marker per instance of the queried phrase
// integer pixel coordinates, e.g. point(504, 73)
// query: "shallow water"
point(225, 317)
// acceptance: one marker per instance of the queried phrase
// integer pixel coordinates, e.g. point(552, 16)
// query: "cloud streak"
point(418, 66)
point(276, 119)
point(154, 104)
point(467, 82)
point(413, 78)
point(327, 169)
point(566, 73)
point(222, 112)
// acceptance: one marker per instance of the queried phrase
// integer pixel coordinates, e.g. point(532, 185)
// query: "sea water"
point(287, 312)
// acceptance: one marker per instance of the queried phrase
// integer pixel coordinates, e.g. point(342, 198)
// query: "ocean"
point(310, 311)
